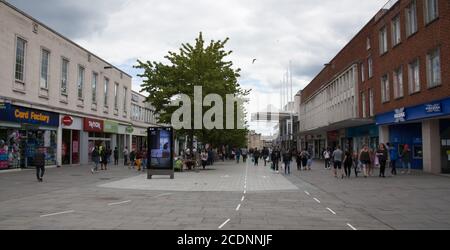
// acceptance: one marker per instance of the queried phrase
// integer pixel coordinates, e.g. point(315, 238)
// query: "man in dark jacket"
point(39, 163)
point(116, 156)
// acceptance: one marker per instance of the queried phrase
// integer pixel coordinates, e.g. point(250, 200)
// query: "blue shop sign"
point(415, 113)
point(21, 115)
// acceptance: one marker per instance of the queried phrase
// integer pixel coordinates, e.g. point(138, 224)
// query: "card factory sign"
point(22, 115)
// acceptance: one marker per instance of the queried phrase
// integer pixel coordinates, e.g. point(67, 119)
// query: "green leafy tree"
point(202, 65)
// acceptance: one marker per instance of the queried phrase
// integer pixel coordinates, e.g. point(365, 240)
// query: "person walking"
point(139, 160)
point(276, 160)
point(256, 156)
point(144, 160)
point(204, 159)
point(348, 163)
point(393, 157)
point(244, 155)
point(327, 157)
point(287, 158)
point(132, 159)
point(102, 152)
point(337, 159)
point(364, 158)
point(125, 156)
point(95, 159)
point(310, 160)
point(265, 155)
point(406, 159)
point(238, 156)
point(304, 159)
point(39, 163)
point(298, 158)
point(116, 156)
point(382, 155)
point(107, 160)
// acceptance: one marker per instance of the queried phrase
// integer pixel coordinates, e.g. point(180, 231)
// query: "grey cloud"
point(75, 19)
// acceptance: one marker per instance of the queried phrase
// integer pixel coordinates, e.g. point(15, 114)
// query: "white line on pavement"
point(65, 212)
point(352, 227)
point(307, 193)
point(318, 201)
point(238, 207)
point(162, 195)
point(333, 212)
point(221, 226)
point(119, 203)
point(243, 198)
point(245, 191)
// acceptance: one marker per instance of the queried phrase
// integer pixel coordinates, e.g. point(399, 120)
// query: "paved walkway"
point(229, 196)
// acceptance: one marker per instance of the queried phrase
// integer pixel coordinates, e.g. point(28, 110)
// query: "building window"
point(370, 66)
point(125, 99)
point(398, 83)
point(371, 103)
point(411, 18)
point(116, 95)
point(80, 82)
point(396, 31)
point(363, 76)
point(363, 100)
point(94, 87)
point(20, 59)
point(414, 77)
point(431, 10)
point(368, 45)
point(383, 41)
point(105, 92)
point(64, 75)
point(385, 92)
point(434, 68)
point(45, 61)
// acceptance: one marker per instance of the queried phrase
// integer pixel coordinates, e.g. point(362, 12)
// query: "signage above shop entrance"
point(67, 120)
point(22, 115)
point(93, 125)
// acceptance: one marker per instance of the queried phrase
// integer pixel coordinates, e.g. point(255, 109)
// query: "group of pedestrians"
point(101, 155)
point(367, 160)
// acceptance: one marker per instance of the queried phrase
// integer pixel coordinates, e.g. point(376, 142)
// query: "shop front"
point(71, 139)
point(24, 132)
point(425, 129)
point(445, 145)
point(139, 139)
point(358, 137)
point(96, 135)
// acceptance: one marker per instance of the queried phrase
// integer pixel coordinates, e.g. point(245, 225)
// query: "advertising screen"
point(160, 147)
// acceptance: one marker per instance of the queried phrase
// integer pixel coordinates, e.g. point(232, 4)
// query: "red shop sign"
point(67, 120)
point(93, 125)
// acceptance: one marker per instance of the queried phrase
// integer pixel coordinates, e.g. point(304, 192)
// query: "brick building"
point(401, 94)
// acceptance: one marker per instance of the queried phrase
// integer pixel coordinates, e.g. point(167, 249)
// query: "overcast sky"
point(307, 32)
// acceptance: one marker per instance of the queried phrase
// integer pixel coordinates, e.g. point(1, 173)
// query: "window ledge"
point(431, 21)
point(21, 91)
point(410, 36)
point(43, 96)
point(414, 93)
point(399, 98)
point(434, 87)
point(397, 45)
point(64, 101)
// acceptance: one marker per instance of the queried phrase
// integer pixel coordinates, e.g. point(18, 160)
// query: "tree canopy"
point(204, 65)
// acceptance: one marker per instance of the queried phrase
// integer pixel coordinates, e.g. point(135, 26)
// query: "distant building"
point(255, 140)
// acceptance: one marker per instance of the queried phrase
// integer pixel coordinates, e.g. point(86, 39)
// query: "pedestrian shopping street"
point(226, 196)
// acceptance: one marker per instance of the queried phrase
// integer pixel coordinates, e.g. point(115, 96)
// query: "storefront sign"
point(22, 115)
point(129, 129)
point(93, 125)
point(400, 115)
point(433, 108)
point(67, 121)
point(111, 127)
